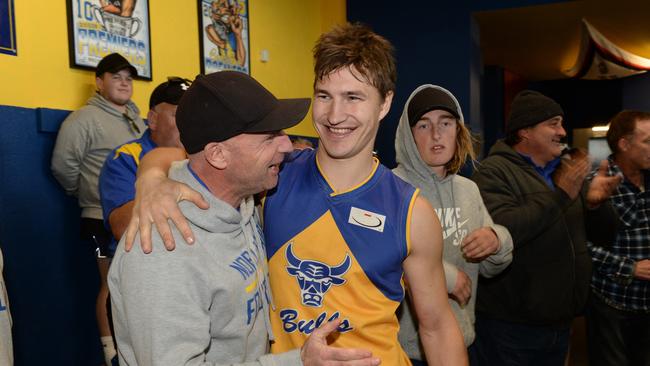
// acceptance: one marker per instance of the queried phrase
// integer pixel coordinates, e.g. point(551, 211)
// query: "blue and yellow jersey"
point(117, 178)
point(337, 255)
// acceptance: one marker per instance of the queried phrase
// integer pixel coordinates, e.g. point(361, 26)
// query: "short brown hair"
point(464, 149)
point(356, 45)
point(622, 125)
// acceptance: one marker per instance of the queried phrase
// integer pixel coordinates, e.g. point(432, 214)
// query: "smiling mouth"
point(339, 131)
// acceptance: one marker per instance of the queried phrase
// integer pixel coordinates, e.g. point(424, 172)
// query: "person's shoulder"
point(85, 115)
point(464, 183)
point(297, 160)
point(390, 175)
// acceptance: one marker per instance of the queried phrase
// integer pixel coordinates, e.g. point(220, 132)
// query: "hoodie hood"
point(411, 167)
point(98, 101)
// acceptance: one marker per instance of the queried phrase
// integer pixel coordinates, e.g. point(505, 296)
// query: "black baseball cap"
point(429, 99)
point(170, 91)
point(114, 63)
point(224, 104)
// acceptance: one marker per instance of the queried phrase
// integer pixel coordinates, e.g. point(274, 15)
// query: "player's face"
point(162, 122)
point(545, 139)
point(256, 158)
point(435, 137)
point(346, 114)
point(116, 88)
point(637, 146)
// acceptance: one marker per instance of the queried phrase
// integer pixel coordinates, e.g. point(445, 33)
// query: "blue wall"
point(51, 277)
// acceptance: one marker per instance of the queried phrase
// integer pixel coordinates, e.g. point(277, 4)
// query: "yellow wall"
point(40, 76)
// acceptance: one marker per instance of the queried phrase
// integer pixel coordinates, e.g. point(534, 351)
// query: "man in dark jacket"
point(524, 314)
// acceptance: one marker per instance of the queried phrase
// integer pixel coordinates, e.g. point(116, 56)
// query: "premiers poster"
point(100, 27)
point(223, 29)
point(7, 28)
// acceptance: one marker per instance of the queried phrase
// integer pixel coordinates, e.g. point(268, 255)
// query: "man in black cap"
point(117, 178)
point(524, 313)
point(209, 303)
point(85, 139)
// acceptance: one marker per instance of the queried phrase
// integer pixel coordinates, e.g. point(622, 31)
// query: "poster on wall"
point(97, 28)
point(7, 28)
point(223, 34)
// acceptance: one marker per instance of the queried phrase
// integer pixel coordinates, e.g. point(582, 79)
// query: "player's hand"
point(602, 186)
point(463, 289)
point(571, 173)
point(316, 352)
point(156, 201)
point(480, 244)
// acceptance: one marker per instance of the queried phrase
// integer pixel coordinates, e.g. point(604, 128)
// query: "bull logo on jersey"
point(315, 278)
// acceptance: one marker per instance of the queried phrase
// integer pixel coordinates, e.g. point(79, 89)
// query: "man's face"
point(637, 146)
point(116, 88)
point(256, 158)
point(162, 122)
point(544, 140)
point(346, 114)
point(435, 138)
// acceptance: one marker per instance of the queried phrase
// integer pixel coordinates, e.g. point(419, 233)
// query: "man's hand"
point(463, 289)
point(156, 201)
point(480, 244)
point(316, 352)
point(642, 270)
point(602, 186)
point(571, 173)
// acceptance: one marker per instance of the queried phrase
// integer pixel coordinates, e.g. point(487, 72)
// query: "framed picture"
point(7, 28)
point(97, 28)
point(223, 34)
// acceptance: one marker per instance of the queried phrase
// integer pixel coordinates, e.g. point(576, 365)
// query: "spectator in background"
point(432, 144)
point(84, 141)
point(618, 317)
point(117, 178)
point(524, 314)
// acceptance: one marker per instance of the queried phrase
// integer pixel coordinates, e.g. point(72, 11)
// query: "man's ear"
point(523, 133)
point(623, 144)
point(217, 155)
point(385, 106)
point(99, 83)
point(152, 120)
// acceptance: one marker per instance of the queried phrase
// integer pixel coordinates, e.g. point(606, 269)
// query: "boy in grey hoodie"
point(431, 146)
point(85, 139)
point(208, 304)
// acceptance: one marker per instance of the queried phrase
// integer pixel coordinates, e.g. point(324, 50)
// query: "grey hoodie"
point(459, 206)
point(202, 304)
point(85, 139)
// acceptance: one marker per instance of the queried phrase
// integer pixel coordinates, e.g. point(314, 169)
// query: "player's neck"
point(345, 174)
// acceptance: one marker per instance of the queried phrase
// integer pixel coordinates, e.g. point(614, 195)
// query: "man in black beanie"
point(525, 313)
